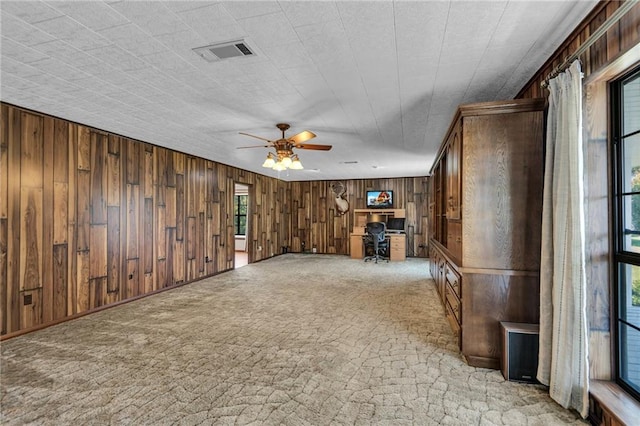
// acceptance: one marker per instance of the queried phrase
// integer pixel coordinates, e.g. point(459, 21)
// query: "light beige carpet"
point(297, 339)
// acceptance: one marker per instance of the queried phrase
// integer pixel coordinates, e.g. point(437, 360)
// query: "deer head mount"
point(339, 189)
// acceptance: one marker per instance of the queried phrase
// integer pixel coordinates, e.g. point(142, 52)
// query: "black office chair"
point(375, 240)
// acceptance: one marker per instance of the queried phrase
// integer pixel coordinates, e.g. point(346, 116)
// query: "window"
point(240, 214)
point(625, 95)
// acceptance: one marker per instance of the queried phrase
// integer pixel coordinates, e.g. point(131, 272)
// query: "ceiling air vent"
point(219, 51)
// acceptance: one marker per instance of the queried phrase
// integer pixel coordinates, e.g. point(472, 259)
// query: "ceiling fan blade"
point(254, 136)
point(254, 146)
point(302, 137)
point(312, 146)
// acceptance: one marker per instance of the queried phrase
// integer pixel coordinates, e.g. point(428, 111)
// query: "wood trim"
point(611, 405)
point(505, 272)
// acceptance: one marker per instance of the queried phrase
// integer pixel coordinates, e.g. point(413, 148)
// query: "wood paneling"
point(318, 223)
point(103, 218)
point(621, 37)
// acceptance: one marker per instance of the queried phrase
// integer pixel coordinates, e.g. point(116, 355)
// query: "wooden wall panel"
point(60, 212)
point(98, 251)
point(31, 238)
point(60, 278)
point(31, 309)
point(133, 213)
point(83, 210)
point(618, 39)
point(317, 222)
point(82, 281)
point(98, 178)
point(127, 218)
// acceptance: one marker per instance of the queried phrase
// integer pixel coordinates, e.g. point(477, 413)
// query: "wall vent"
point(219, 51)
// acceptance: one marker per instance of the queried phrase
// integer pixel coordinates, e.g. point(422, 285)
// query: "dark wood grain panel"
point(31, 231)
point(160, 174)
point(114, 259)
point(31, 308)
point(161, 274)
point(170, 209)
point(72, 239)
point(60, 279)
point(161, 233)
point(98, 251)
point(191, 238)
point(47, 219)
point(630, 28)
point(179, 261)
point(113, 147)
point(98, 178)
point(148, 174)
point(169, 260)
point(148, 236)
point(83, 209)
point(613, 34)
point(4, 284)
point(133, 212)
point(179, 160)
point(31, 151)
point(4, 162)
point(180, 207)
point(60, 151)
point(133, 161)
point(14, 130)
point(84, 147)
point(132, 279)
point(191, 189)
point(60, 212)
point(201, 236)
point(97, 292)
point(82, 281)
point(114, 180)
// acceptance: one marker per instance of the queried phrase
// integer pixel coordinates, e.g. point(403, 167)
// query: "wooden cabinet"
point(397, 247)
point(453, 173)
point(486, 201)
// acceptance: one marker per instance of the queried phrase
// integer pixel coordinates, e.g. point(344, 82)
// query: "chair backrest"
point(376, 230)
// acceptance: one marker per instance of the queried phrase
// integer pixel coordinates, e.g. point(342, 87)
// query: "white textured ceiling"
point(378, 80)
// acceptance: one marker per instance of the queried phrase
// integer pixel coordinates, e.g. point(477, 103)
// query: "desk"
point(397, 246)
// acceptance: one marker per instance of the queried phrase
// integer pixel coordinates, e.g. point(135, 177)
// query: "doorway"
point(241, 224)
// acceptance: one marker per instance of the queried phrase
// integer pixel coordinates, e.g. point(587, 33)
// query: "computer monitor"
point(379, 199)
point(395, 224)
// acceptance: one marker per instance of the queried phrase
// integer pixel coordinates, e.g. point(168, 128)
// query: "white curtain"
point(563, 357)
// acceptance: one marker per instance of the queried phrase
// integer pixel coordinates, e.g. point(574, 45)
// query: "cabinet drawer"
point(453, 279)
point(453, 322)
point(453, 303)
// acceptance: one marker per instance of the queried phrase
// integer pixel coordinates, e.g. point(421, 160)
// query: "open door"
point(241, 224)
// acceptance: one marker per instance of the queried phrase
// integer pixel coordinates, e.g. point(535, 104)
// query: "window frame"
point(237, 215)
point(620, 256)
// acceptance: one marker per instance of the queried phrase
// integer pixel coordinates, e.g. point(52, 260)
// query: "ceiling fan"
point(284, 157)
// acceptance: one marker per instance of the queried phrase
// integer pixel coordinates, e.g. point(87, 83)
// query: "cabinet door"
point(453, 173)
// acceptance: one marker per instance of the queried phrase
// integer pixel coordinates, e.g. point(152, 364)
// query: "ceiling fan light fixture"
point(283, 158)
point(286, 161)
point(296, 164)
point(269, 162)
